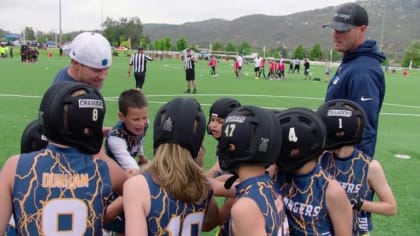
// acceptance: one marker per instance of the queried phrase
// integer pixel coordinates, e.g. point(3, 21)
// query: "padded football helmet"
point(33, 138)
point(250, 136)
point(345, 121)
point(72, 114)
point(304, 136)
point(221, 108)
point(180, 121)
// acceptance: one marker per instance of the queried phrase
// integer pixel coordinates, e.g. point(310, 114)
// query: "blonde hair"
point(178, 173)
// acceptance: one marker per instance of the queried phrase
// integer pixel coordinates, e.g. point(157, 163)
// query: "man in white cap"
point(91, 56)
point(360, 77)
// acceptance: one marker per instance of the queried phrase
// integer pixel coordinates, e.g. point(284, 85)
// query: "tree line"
point(128, 32)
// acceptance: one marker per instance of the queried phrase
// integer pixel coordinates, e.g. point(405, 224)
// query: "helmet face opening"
point(72, 114)
point(345, 121)
point(180, 121)
point(250, 136)
point(221, 109)
point(304, 136)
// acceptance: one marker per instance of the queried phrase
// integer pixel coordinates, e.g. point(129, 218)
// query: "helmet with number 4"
point(345, 121)
point(250, 136)
point(72, 114)
point(304, 136)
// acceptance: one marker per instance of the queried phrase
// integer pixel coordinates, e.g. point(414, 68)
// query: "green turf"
point(22, 86)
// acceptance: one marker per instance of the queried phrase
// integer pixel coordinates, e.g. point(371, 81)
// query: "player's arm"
point(247, 219)
point(7, 176)
point(339, 209)
point(136, 205)
point(118, 147)
point(211, 219)
point(213, 170)
point(377, 181)
point(118, 175)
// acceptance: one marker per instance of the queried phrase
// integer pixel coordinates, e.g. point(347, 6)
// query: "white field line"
point(115, 99)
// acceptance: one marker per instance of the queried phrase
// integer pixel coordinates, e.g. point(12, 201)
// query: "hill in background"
point(392, 22)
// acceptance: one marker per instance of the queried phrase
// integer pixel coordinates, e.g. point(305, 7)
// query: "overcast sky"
point(43, 15)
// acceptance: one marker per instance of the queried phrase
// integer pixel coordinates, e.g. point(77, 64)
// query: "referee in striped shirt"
point(189, 64)
point(138, 61)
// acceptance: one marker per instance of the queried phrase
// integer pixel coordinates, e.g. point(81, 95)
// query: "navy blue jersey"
point(360, 78)
point(169, 216)
point(59, 191)
point(261, 190)
point(134, 142)
point(63, 75)
point(352, 174)
point(304, 198)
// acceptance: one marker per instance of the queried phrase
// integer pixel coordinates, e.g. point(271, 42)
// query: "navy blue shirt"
point(360, 78)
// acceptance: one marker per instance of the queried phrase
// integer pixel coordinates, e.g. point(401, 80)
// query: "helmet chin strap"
point(229, 182)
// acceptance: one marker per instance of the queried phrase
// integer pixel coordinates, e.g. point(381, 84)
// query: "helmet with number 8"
point(345, 121)
point(250, 136)
point(72, 114)
point(304, 136)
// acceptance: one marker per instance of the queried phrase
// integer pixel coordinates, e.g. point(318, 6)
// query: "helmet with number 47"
point(250, 136)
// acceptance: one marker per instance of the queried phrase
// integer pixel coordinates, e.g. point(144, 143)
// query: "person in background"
point(327, 71)
point(307, 69)
point(212, 64)
point(359, 77)
point(138, 64)
point(189, 66)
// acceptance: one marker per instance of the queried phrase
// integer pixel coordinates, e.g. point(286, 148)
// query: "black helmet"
point(345, 121)
point(72, 114)
point(33, 138)
point(221, 108)
point(304, 136)
point(180, 121)
point(250, 136)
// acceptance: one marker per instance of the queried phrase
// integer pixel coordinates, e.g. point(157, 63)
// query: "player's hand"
point(355, 200)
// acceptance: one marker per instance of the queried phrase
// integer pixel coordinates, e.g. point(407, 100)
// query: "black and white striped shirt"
point(138, 60)
point(189, 63)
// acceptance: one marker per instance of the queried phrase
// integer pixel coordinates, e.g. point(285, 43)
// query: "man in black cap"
point(360, 77)
point(139, 61)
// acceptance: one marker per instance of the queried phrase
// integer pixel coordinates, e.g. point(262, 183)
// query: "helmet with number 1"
point(345, 121)
point(304, 136)
point(221, 108)
point(250, 136)
point(72, 114)
point(180, 121)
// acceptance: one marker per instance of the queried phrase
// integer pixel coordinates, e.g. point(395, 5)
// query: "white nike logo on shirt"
point(363, 99)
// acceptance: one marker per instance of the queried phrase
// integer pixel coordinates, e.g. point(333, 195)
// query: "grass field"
point(22, 85)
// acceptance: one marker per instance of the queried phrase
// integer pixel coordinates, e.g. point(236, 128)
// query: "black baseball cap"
point(347, 16)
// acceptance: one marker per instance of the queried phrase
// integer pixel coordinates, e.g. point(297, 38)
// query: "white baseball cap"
point(91, 49)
